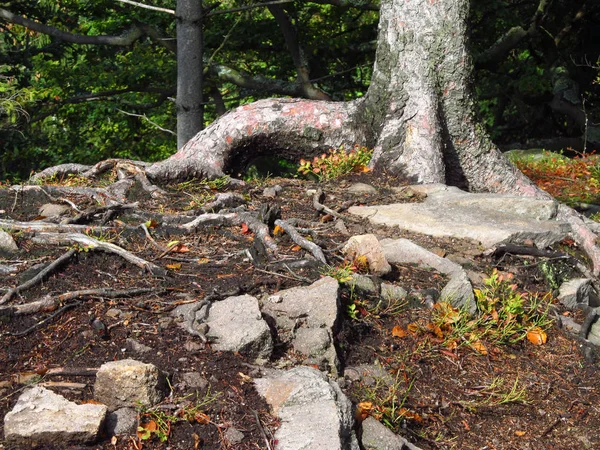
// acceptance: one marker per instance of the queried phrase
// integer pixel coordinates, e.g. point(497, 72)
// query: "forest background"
point(67, 102)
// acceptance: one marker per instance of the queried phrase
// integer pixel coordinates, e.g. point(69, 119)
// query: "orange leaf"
point(413, 327)
point(398, 331)
point(174, 266)
point(435, 330)
point(296, 248)
point(363, 410)
point(519, 433)
point(537, 336)
point(203, 261)
point(277, 230)
point(245, 229)
point(180, 248)
point(478, 346)
point(403, 412)
point(202, 418)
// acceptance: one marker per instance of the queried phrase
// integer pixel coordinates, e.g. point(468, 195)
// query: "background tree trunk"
point(190, 110)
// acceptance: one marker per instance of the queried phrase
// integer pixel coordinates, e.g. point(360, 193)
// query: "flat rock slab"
point(43, 417)
point(236, 325)
point(314, 413)
point(491, 219)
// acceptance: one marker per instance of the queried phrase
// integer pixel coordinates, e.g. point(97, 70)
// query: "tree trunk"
point(418, 114)
point(190, 110)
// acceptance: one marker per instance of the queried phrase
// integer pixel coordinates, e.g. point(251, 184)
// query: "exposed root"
point(39, 277)
point(89, 242)
point(35, 227)
point(313, 248)
point(88, 215)
point(583, 235)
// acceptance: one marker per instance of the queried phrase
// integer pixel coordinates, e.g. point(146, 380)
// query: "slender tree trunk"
point(190, 110)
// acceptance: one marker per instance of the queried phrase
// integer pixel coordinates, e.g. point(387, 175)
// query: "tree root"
point(35, 227)
point(38, 278)
point(313, 248)
point(89, 242)
point(50, 303)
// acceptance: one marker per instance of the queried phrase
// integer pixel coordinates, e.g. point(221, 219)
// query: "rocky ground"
point(391, 360)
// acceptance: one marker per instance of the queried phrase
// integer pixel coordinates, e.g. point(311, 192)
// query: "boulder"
point(491, 219)
point(314, 412)
point(306, 317)
point(7, 244)
point(129, 383)
point(578, 291)
point(43, 417)
point(236, 325)
point(376, 436)
point(50, 210)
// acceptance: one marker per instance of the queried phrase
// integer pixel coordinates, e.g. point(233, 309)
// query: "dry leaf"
point(398, 331)
point(245, 229)
point(478, 346)
point(113, 441)
point(202, 418)
point(413, 327)
point(519, 433)
point(203, 261)
point(537, 336)
point(408, 414)
point(277, 230)
point(435, 330)
point(244, 378)
point(174, 266)
point(296, 248)
point(363, 410)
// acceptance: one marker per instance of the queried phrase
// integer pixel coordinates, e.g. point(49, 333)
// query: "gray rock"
point(123, 421)
point(136, 346)
point(361, 189)
point(312, 309)
point(368, 246)
point(315, 414)
point(129, 383)
point(491, 219)
point(194, 380)
point(113, 313)
point(234, 436)
point(391, 292)
point(362, 284)
point(236, 325)
point(43, 417)
point(52, 210)
point(369, 374)
point(578, 291)
point(375, 436)
point(312, 341)
point(458, 291)
point(341, 228)
point(7, 243)
point(192, 346)
point(272, 191)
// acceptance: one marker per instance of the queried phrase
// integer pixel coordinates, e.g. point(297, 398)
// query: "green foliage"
point(337, 163)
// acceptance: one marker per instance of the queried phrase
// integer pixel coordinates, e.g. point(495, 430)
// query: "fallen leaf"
point(519, 433)
point(202, 418)
point(245, 229)
point(203, 261)
point(478, 346)
point(363, 410)
point(537, 336)
point(408, 414)
point(413, 327)
point(277, 230)
point(435, 330)
point(174, 266)
point(113, 441)
point(244, 378)
point(180, 248)
point(296, 248)
point(91, 402)
point(398, 331)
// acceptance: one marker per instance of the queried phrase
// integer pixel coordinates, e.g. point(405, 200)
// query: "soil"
point(440, 398)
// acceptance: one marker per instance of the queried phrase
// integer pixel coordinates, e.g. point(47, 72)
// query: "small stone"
point(341, 228)
point(165, 322)
point(192, 346)
point(194, 380)
point(137, 347)
point(113, 313)
point(234, 436)
point(362, 189)
point(53, 210)
point(368, 246)
point(7, 243)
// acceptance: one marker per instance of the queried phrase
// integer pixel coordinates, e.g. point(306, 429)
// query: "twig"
point(72, 371)
point(153, 8)
point(143, 116)
point(151, 239)
point(45, 321)
point(39, 277)
point(261, 429)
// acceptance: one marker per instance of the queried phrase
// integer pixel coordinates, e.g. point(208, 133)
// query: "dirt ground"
point(519, 396)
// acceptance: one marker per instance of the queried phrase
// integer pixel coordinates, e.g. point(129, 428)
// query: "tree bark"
point(190, 110)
